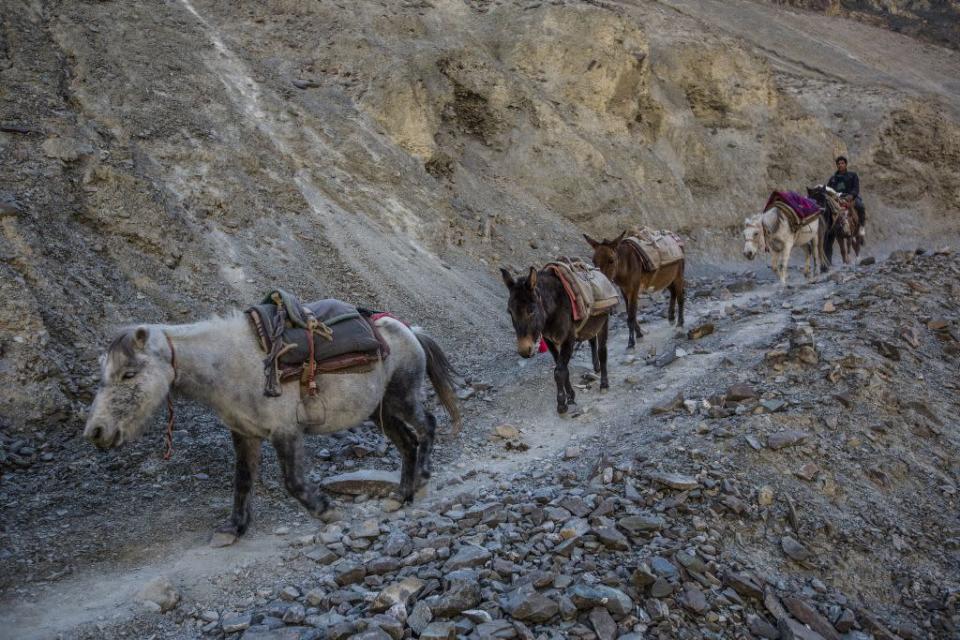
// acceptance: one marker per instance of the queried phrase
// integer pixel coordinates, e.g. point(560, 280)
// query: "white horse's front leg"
point(785, 261)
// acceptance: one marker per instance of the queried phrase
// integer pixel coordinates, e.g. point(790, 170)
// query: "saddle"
point(799, 210)
point(655, 249)
point(591, 293)
point(303, 340)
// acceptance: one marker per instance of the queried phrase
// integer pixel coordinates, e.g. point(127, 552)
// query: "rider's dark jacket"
point(847, 182)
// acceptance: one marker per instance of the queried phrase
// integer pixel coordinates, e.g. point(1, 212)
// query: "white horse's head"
point(753, 237)
point(135, 375)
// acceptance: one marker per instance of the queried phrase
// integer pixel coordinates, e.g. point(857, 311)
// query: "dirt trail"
point(105, 592)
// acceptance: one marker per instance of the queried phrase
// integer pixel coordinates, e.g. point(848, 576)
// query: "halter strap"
point(170, 415)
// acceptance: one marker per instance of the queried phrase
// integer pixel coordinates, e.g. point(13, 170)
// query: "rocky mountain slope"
point(162, 161)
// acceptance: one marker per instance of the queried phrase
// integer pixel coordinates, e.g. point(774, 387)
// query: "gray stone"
point(289, 593)
point(525, 603)
point(740, 392)
point(283, 633)
point(663, 567)
point(235, 622)
point(790, 629)
point(366, 482)
point(159, 592)
point(794, 549)
point(586, 596)
point(806, 614)
point(603, 625)
point(641, 523)
point(787, 438)
point(321, 555)
point(744, 584)
point(439, 631)
point(661, 588)
point(419, 617)
point(760, 627)
point(495, 629)
point(611, 538)
point(694, 600)
point(397, 593)
point(676, 481)
point(469, 555)
point(295, 614)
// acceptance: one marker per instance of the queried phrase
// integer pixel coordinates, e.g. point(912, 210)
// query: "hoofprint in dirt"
point(122, 557)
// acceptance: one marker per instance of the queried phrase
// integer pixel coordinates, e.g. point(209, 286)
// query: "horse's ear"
point(532, 278)
point(507, 278)
point(593, 243)
point(616, 241)
point(140, 337)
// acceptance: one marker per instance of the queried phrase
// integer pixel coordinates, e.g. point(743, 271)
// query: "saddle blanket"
point(344, 340)
point(801, 205)
point(590, 292)
point(655, 249)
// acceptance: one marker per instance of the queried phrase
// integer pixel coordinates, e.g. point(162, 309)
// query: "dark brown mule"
point(540, 308)
point(621, 264)
point(844, 223)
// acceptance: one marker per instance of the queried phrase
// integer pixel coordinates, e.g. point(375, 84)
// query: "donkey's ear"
point(593, 243)
point(507, 278)
point(532, 278)
point(616, 241)
point(140, 337)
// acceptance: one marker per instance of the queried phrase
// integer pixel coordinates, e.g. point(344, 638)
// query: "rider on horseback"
point(848, 183)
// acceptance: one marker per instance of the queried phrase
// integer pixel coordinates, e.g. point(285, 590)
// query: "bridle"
point(764, 246)
point(170, 414)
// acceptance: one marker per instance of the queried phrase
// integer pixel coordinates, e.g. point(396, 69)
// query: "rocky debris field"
point(805, 487)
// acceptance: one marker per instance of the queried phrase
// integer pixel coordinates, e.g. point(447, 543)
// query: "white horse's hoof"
point(223, 539)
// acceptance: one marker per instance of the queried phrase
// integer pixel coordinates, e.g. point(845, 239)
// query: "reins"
point(170, 414)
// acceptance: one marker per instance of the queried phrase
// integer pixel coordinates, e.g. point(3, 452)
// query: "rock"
point(744, 584)
point(9, 207)
point(603, 625)
point(365, 482)
point(574, 528)
point(611, 538)
point(462, 593)
point(661, 588)
point(222, 539)
point(760, 627)
point(64, 149)
point(376, 633)
point(701, 331)
point(586, 596)
point(439, 631)
point(348, 573)
point(740, 392)
point(694, 600)
point(159, 592)
point(790, 629)
point(236, 622)
point(526, 604)
point(765, 496)
point(869, 260)
point(811, 617)
point(285, 633)
point(773, 405)
point(642, 577)
point(294, 614)
point(674, 480)
point(419, 617)
point(369, 528)
point(657, 609)
point(640, 523)
point(506, 431)
point(669, 406)
point(845, 621)
point(571, 452)
point(397, 593)
point(874, 626)
point(315, 597)
point(666, 358)
point(794, 549)
point(829, 307)
point(808, 471)
point(467, 556)
point(477, 616)
point(495, 629)
point(663, 567)
point(788, 438)
point(289, 593)
point(887, 350)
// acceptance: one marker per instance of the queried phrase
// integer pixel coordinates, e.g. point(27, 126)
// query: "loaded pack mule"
point(788, 219)
point(219, 363)
point(841, 221)
point(562, 304)
point(644, 262)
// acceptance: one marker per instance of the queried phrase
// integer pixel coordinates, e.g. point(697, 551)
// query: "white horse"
point(770, 231)
point(218, 363)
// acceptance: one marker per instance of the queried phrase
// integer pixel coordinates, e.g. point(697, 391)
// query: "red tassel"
point(543, 346)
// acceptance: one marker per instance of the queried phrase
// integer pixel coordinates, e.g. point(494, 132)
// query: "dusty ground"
point(160, 161)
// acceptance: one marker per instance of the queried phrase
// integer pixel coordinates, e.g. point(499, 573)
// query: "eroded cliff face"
point(163, 161)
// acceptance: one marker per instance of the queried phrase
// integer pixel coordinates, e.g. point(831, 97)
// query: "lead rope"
point(170, 415)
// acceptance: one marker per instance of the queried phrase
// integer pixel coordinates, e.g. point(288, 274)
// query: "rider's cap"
point(839, 158)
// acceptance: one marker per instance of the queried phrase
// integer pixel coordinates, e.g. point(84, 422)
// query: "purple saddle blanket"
point(802, 205)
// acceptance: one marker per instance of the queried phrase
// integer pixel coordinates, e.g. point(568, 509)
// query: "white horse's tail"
point(441, 374)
